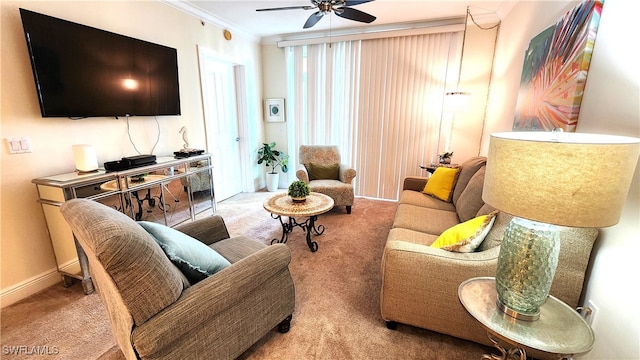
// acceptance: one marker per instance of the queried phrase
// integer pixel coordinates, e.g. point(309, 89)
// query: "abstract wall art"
point(555, 70)
point(274, 110)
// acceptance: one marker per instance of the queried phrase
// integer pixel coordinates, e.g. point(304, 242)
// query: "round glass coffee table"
point(315, 204)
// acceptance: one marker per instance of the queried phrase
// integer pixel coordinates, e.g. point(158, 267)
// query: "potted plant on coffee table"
point(299, 190)
point(272, 158)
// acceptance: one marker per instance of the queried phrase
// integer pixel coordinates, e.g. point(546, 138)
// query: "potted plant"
point(299, 190)
point(272, 158)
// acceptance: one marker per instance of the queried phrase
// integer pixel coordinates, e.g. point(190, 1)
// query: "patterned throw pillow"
point(466, 236)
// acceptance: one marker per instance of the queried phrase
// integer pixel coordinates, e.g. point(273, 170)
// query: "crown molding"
point(204, 16)
point(387, 30)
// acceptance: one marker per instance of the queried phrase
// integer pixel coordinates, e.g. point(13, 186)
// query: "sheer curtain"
point(379, 100)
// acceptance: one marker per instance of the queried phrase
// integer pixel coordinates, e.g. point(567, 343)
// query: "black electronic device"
point(140, 160)
point(116, 165)
point(183, 153)
point(130, 162)
point(81, 71)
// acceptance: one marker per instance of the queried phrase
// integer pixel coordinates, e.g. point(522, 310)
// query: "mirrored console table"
point(171, 191)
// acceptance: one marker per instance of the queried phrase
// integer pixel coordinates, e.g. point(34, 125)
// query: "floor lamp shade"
point(546, 179)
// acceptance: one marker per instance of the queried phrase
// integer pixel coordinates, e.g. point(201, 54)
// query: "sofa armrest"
point(208, 230)
point(415, 183)
point(346, 173)
point(200, 304)
point(420, 287)
point(301, 173)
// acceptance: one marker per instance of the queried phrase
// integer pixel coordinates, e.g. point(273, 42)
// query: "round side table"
point(560, 331)
point(315, 204)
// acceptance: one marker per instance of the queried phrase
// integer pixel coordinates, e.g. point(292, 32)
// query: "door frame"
point(239, 69)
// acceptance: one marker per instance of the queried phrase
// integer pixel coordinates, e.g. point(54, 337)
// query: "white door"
point(221, 124)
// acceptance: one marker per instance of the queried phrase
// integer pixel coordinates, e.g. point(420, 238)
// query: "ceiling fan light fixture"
point(340, 7)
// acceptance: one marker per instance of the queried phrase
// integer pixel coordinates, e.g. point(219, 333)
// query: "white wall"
point(27, 262)
point(274, 85)
point(477, 61)
point(611, 104)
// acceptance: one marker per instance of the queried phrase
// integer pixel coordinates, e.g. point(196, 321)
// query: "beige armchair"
point(321, 167)
point(156, 313)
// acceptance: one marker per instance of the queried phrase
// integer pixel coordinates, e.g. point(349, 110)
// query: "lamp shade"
point(567, 179)
point(85, 157)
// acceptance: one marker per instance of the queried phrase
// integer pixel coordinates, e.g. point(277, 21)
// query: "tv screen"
point(80, 71)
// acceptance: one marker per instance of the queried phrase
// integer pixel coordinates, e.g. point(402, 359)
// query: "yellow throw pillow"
point(441, 183)
point(466, 236)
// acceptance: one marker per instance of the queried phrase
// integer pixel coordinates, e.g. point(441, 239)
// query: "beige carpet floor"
point(337, 312)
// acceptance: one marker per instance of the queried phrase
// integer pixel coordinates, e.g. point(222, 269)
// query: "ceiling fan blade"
point(355, 2)
point(307, 7)
point(353, 14)
point(313, 19)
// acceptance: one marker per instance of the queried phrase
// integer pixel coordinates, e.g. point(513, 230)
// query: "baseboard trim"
point(24, 289)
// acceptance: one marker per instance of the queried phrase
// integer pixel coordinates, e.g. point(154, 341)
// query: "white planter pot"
point(272, 181)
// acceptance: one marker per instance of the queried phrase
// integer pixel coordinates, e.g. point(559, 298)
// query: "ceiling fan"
point(340, 7)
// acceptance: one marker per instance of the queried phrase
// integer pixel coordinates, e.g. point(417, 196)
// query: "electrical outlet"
point(590, 313)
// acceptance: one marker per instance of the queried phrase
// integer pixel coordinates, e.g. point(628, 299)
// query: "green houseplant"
point(273, 158)
point(299, 190)
point(270, 157)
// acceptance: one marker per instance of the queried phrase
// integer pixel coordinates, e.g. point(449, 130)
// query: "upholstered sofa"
point(420, 283)
point(155, 307)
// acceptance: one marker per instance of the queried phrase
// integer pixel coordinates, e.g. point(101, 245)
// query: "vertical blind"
point(379, 100)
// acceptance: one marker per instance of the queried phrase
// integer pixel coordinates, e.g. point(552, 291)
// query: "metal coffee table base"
point(308, 226)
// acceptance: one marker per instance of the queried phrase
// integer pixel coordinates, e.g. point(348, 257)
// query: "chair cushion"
point(495, 235)
point(323, 172)
point(412, 236)
point(237, 248)
point(195, 259)
point(341, 193)
point(470, 201)
point(466, 236)
point(467, 169)
point(441, 183)
point(421, 199)
point(430, 221)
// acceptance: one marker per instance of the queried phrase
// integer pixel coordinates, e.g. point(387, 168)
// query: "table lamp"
point(546, 180)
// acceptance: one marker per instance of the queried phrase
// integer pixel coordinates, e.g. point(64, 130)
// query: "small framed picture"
point(274, 110)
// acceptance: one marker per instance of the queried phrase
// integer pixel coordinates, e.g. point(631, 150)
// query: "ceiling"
point(241, 16)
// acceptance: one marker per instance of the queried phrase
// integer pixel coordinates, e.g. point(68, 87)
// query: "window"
point(379, 100)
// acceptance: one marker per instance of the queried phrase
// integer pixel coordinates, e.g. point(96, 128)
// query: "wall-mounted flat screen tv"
point(81, 71)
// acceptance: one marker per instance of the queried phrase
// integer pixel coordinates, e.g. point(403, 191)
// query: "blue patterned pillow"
point(195, 259)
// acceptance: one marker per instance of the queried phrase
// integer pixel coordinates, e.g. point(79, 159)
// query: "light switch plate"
point(18, 145)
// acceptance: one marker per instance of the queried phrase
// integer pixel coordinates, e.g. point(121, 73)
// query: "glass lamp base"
point(515, 314)
point(526, 266)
